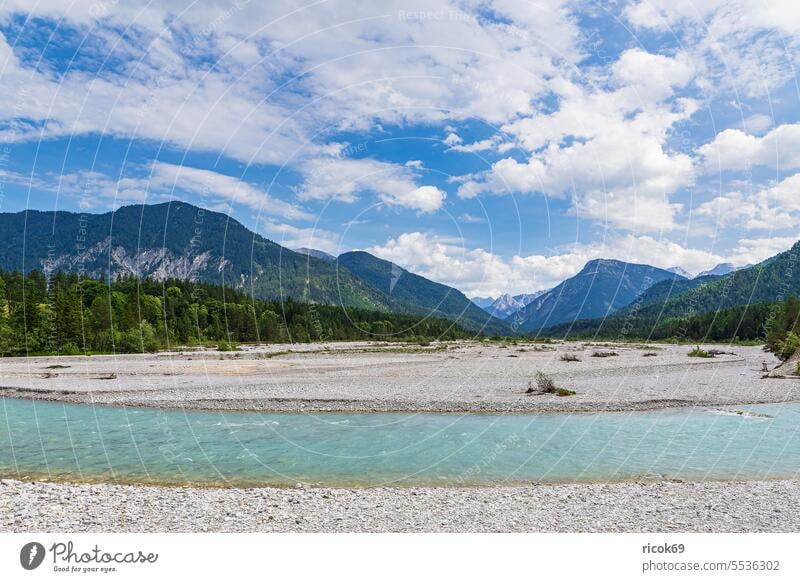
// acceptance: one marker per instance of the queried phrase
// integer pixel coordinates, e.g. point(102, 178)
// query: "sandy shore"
point(619, 507)
point(472, 376)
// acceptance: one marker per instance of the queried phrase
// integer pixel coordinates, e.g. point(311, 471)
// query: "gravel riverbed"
point(759, 506)
point(364, 377)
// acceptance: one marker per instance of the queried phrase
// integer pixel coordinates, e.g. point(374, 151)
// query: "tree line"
point(776, 323)
point(64, 313)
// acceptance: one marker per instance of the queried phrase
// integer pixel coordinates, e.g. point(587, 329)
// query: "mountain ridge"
point(406, 289)
point(601, 287)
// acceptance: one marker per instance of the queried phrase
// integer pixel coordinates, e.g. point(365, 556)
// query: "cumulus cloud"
point(479, 272)
point(754, 250)
point(294, 237)
point(215, 185)
point(733, 149)
point(606, 149)
point(162, 180)
point(746, 46)
point(343, 179)
point(773, 208)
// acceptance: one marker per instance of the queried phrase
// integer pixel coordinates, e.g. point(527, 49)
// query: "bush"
point(604, 354)
point(788, 347)
point(698, 353)
point(544, 385)
point(226, 346)
point(70, 349)
point(570, 358)
point(565, 392)
point(141, 338)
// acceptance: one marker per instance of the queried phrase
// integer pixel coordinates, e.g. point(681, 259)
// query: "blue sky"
point(491, 145)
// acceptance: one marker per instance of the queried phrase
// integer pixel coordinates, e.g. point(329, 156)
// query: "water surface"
point(82, 442)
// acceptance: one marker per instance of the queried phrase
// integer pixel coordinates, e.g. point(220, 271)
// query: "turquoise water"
point(81, 442)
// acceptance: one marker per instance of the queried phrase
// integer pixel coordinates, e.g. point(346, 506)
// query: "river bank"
point(757, 506)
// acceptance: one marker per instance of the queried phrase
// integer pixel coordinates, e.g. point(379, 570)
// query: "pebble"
point(753, 506)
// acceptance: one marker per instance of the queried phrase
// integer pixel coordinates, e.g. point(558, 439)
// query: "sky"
point(493, 145)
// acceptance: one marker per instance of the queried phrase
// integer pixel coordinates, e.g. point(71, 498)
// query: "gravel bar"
point(758, 506)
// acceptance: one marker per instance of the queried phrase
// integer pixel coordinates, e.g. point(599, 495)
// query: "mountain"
point(504, 306)
point(772, 280)
point(175, 240)
point(483, 302)
point(664, 291)
point(599, 289)
point(422, 296)
point(680, 271)
point(507, 305)
point(316, 254)
point(719, 270)
point(525, 298)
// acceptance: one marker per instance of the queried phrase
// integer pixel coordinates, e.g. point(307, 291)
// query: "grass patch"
point(570, 358)
point(546, 385)
point(604, 354)
point(698, 353)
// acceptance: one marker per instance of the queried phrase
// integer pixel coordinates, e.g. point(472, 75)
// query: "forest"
point(66, 314)
point(777, 324)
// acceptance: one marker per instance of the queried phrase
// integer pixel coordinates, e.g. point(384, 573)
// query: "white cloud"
point(477, 271)
point(757, 123)
point(733, 149)
point(343, 179)
point(754, 250)
point(747, 47)
point(468, 218)
point(161, 180)
point(606, 148)
point(294, 237)
point(774, 208)
point(451, 139)
point(214, 184)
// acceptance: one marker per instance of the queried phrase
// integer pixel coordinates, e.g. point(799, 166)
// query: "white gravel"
point(465, 376)
point(765, 506)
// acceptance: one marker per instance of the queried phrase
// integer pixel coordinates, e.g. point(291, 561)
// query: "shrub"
point(604, 354)
point(698, 353)
point(565, 392)
point(139, 339)
point(788, 347)
point(70, 349)
point(570, 358)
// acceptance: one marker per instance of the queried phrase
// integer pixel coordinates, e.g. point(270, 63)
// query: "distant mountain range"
point(701, 302)
point(506, 305)
point(680, 271)
point(316, 254)
point(772, 280)
point(407, 291)
point(663, 291)
point(599, 289)
point(179, 240)
point(719, 270)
